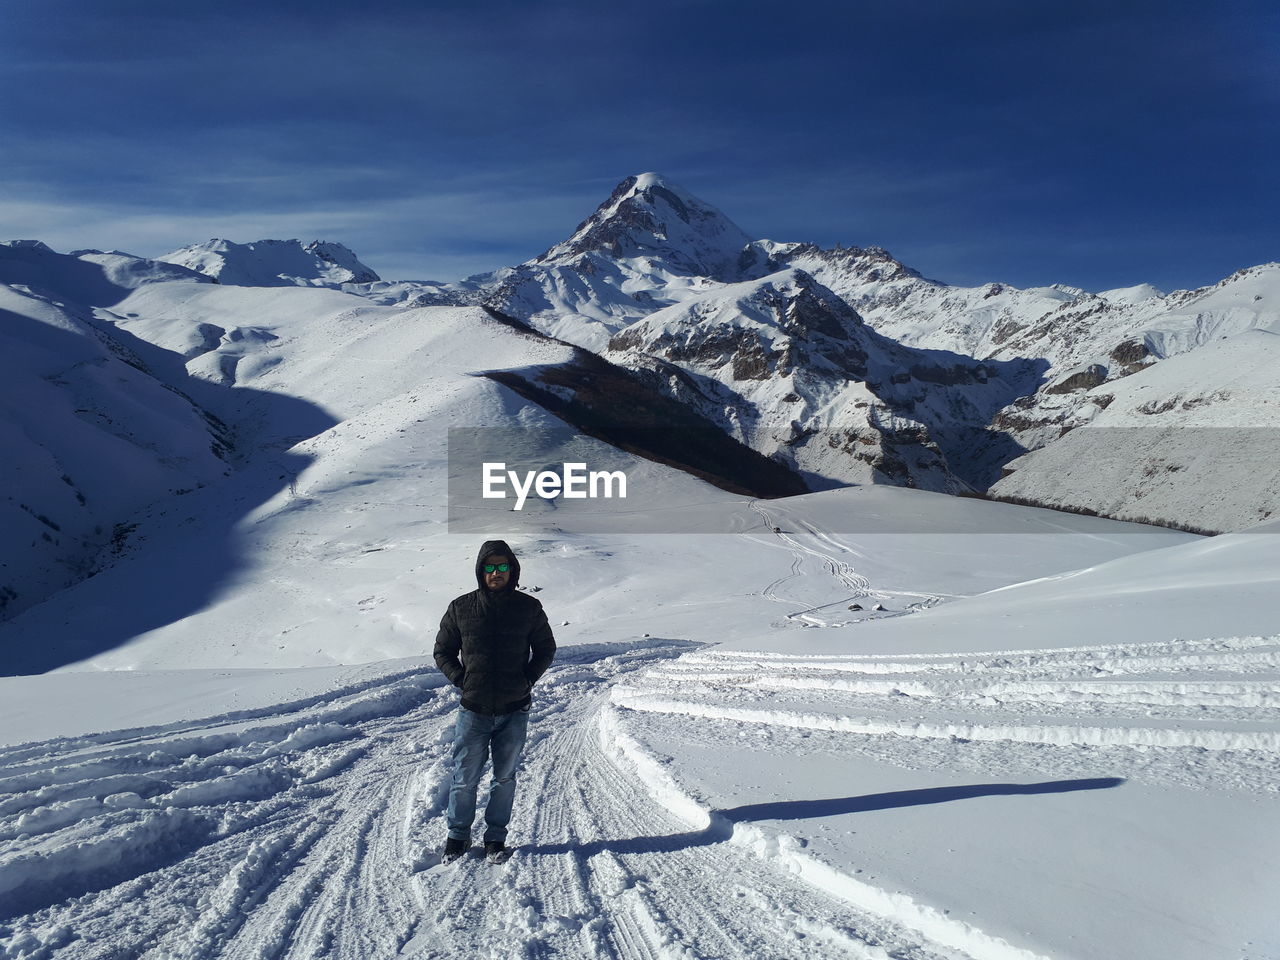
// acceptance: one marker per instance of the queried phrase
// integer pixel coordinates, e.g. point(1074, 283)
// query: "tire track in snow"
point(1053, 735)
point(328, 862)
point(1231, 655)
point(657, 883)
point(843, 572)
point(603, 870)
point(202, 903)
point(1193, 713)
point(859, 586)
point(858, 918)
point(1140, 700)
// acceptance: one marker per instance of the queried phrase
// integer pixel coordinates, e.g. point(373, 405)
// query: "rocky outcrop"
point(1091, 376)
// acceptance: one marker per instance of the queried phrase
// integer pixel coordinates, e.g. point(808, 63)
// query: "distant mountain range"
point(839, 365)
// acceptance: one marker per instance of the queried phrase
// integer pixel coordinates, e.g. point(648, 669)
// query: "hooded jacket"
point(495, 644)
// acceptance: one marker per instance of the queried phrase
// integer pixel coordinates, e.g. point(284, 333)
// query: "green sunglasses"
point(500, 567)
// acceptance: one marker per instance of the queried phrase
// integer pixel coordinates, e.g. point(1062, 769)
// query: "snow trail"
point(295, 834)
point(810, 546)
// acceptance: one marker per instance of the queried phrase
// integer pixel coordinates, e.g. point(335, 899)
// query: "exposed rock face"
point(1091, 376)
point(623, 408)
point(790, 369)
point(1131, 354)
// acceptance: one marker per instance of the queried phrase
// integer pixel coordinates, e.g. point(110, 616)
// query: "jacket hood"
point(497, 546)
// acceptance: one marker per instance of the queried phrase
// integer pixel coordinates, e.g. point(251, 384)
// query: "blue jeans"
point(475, 735)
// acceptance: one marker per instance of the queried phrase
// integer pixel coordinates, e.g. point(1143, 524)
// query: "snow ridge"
point(274, 263)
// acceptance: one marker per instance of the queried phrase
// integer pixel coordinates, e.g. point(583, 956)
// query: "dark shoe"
point(496, 851)
point(453, 849)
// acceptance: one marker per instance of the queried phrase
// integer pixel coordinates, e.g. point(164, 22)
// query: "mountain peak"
point(649, 216)
point(36, 245)
point(274, 263)
point(643, 181)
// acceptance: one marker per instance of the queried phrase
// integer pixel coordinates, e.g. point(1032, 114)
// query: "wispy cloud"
point(439, 139)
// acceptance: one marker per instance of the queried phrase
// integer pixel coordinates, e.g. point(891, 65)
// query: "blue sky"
point(1097, 144)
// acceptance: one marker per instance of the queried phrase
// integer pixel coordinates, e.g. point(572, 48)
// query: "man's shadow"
point(722, 821)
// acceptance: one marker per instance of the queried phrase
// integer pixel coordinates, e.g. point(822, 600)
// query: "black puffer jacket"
point(494, 645)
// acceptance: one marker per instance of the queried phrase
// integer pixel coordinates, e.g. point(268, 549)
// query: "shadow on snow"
point(722, 821)
point(195, 547)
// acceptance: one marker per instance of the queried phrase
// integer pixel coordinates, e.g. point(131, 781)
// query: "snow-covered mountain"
point(1065, 325)
point(790, 369)
point(652, 244)
point(1087, 342)
point(119, 404)
point(820, 392)
point(649, 245)
point(274, 263)
point(653, 255)
point(83, 276)
point(845, 365)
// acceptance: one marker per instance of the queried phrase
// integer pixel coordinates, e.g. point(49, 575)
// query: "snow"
point(652, 216)
point(89, 440)
point(1134, 294)
point(789, 369)
point(86, 277)
point(650, 244)
point(273, 263)
point(886, 786)
point(1038, 735)
point(1192, 439)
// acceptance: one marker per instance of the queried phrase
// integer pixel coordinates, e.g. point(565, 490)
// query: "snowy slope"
point(1241, 308)
point(342, 409)
point(1194, 439)
point(844, 791)
point(82, 277)
point(288, 807)
point(274, 263)
point(90, 433)
point(1090, 344)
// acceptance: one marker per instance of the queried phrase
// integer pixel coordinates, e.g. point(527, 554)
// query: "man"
point(494, 643)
